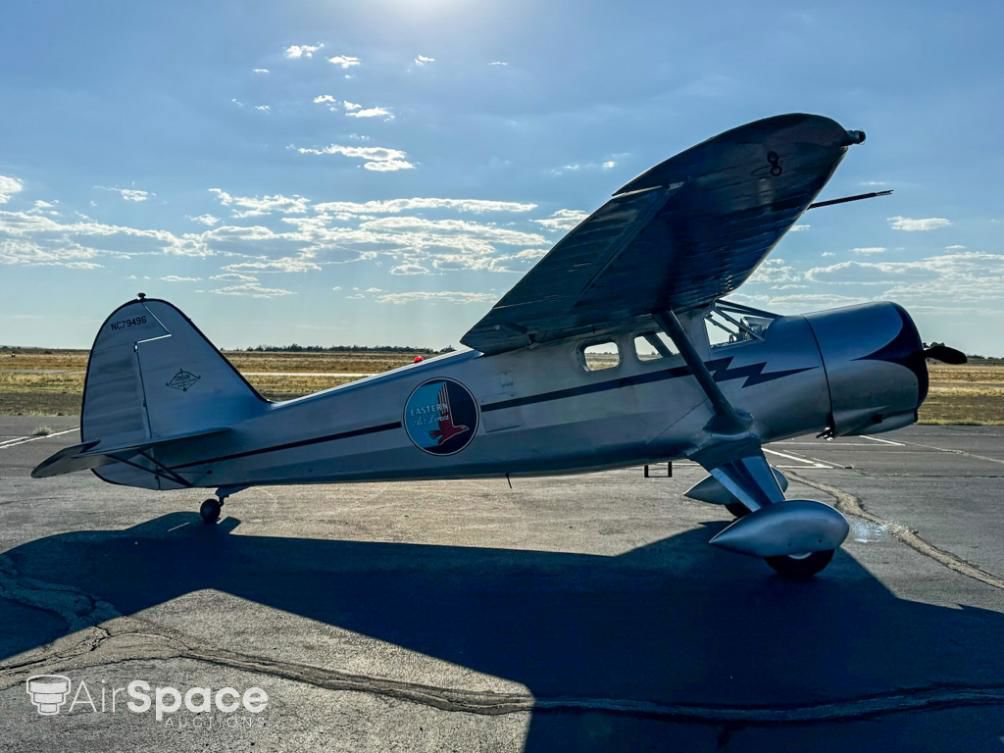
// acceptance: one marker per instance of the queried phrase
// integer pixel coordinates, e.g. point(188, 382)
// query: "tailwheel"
point(738, 509)
point(210, 511)
point(800, 566)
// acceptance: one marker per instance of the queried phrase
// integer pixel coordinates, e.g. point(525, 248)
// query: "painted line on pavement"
point(24, 440)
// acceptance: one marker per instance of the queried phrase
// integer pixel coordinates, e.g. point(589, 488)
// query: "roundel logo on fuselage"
point(441, 417)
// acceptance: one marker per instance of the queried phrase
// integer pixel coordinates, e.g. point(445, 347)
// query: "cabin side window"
point(654, 346)
point(600, 356)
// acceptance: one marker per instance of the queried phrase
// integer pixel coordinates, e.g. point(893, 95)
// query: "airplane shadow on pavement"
point(672, 622)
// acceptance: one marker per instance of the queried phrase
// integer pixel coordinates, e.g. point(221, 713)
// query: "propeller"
point(943, 353)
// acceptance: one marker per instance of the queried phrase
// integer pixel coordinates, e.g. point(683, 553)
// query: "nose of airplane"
point(905, 349)
point(875, 366)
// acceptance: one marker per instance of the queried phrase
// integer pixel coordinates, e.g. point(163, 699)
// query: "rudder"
point(153, 374)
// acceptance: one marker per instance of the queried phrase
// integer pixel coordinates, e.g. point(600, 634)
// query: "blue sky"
point(382, 172)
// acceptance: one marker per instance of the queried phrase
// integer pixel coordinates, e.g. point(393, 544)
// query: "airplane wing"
point(677, 237)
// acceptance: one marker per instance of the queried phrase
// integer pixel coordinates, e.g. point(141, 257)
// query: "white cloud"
point(251, 290)
point(388, 166)
point(255, 206)
point(563, 219)
point(376, 158)
point(915, 225)
point(303, 262)
point(969, 277)
point(499, 63)
point(869, 250)
point(775, 271)
point(532, 253)
point(344, 61)
point(396, 206)
point(263, 108)
point(296, 51)
point(799, 228)
point(870, 273)
point(90, 237)
point(179, 278)
point(129, 194)
point(354, 110)
point(478, 262)
point(424, 60)
point(409, 269)
point(803, 301)
point(955, 247)
point(574, 167)
point(443, 296)
point(8, 187)
point(205, 219)
point(234, 277)
point(260, 71)
point(237, 102)
point(26, 252)
point(493, 233)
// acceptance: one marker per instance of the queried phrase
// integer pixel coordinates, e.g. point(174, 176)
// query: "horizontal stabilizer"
point(90, 455)
point(711, 490)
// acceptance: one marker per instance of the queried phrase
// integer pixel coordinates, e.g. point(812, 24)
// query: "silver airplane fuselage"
point(540, 410)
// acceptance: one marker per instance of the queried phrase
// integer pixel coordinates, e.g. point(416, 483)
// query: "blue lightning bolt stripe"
point(754, 372)
point(718, 367)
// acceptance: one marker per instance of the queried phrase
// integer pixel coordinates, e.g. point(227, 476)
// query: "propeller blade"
point(945, 354)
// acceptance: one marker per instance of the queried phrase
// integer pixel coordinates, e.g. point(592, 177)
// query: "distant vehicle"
point(640, 282)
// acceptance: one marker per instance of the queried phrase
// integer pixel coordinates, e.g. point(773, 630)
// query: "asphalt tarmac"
point(566, 613)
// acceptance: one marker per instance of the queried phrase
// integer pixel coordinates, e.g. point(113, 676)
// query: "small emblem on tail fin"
point(183, 380)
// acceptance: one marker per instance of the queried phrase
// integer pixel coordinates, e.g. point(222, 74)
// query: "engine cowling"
point(875, 367)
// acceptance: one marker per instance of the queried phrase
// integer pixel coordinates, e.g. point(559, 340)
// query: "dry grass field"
point(42, 382)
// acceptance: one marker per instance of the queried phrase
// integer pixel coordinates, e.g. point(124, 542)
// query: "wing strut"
point(727, 419)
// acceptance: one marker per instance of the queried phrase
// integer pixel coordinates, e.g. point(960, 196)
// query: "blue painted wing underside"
point(681, 235)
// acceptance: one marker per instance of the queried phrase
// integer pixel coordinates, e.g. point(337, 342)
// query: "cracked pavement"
point(577, 612)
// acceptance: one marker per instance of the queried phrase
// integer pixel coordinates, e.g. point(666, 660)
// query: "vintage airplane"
point(642, 278)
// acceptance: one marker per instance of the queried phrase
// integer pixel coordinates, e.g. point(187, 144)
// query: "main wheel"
point(210, 511)
point(738, 509)
point(800, 566)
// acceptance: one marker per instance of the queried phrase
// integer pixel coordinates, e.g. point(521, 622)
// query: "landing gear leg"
point(210, 511)
point(738, 509)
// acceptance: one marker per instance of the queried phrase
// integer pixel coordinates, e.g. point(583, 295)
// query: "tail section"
point(153, 376)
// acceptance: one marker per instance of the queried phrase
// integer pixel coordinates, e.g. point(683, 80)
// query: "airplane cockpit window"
point(732, 324)
point(599, 356)
point(654, 346)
